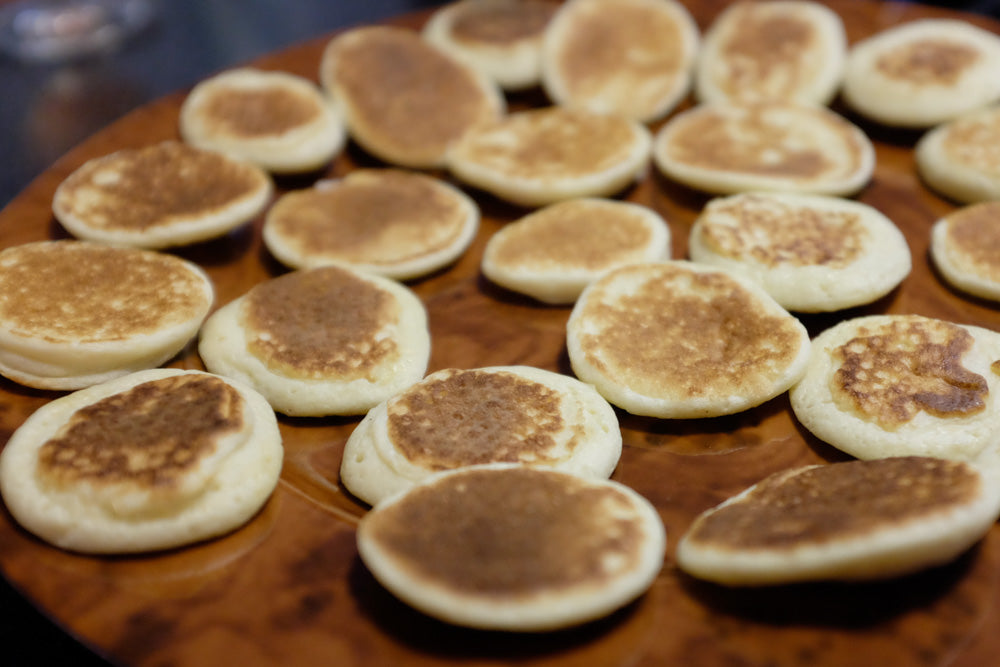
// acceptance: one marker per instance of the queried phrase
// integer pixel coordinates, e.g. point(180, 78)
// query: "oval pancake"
point(960, 159)
point(323, 341)
point(810, 252)
point(965, 247)
point(75, 313)
point(780, 49)
point(279, 121)
point(541, 156)
point(404, 100)
point(501, 38)
point(680, 340)
point(153, 460)
point(854, 520)
point(166, 194)
point(553, 253)
point(922, 73)
point(628, 57)
point(502, 414)
point(513, 548)
point(902, 385)
point(726, 148)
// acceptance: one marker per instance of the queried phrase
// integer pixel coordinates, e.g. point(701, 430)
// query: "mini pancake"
point(323, 341)
point(680, 340)
point(902, 385)
point(629, 57)
point(512, 548)
point(960, 159)
point(166, 194)
point(965, 247)
point(277, 120)
point(811, 253)
point(153, 460)
point(553, 253)
point(922, 73)
point(394, 223)
point(725, 148)
point(501, 414)
point(781, 49)
point(501, 38)
point(541, 156)
point(855, 520)
point(75, 313)
point(404, 100)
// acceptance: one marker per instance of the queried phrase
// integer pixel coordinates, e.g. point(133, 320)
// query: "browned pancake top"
point(972, 142)
point(891, 372)
point(259, 112)
point(837, 501)
point(773, 233)
point(149, 436)
point(928, 61)
point(321, 324)
point(501, 23)
point(974, 237)
point(70, 291)
point(471, 417)
point(510, 534)
point(686, 334)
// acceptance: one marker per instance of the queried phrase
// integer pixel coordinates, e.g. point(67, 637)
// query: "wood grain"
point(288, 588)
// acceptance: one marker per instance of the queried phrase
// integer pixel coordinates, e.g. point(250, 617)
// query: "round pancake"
point(323, 341)
point(404, 100)
point(75, 313)
point(277, 120)
point(398, 224)
point(501, 414)
point(855, 520)
point(960, 159)
point(680, 340)
point(501, 38)
point(725, 148)
point(922, 73)
point(153, 460)
point(629, 57)
point(965, 247)
point(541, 156)
point(780, 49)
point(902, 385)
point(553, 253)
point(514, 548)
point(810, 252)
point(166, 194)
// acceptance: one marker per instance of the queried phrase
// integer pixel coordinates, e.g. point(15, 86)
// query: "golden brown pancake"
point(965, 247)
point(960, 159)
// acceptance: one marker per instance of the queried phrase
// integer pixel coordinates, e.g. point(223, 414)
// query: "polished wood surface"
point(289, 589)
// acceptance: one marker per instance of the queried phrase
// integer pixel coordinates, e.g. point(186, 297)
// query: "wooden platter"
point(289, 589)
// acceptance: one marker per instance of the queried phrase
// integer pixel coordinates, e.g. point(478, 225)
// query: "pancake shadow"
point(220, 251)
point(879, 133)
point(511, 297)
point(816, 323)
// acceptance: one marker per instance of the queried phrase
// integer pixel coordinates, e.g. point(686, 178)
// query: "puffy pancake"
point(152, 460)
point(960, 159)
point(629, 57)
point(553, 253)
point(501, 38)
point(965, 247)
point(404, 100)
point(725, 148)
point(780, 49)
point(277, 120)
point(853, 520)
point(398, 224)
point(458, 418)
point(810, 252)
point(166, 194)
point(513, 548)
point(922, 73)
point(323, 341)
point(902, 385)
point(681, 340)
point(75, 313)
point(541, 156)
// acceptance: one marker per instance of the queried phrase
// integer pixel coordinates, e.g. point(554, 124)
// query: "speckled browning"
point(973, 142)
point(928, 61)
point(501, 24)
point(890, 373)
point(838, 501)
point(974, 238)
point(764, 50)
point(259, 112)
point(511, 534)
